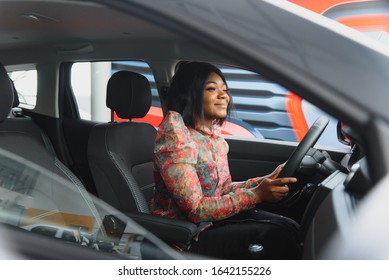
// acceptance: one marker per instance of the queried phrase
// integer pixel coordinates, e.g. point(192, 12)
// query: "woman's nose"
point(223, 94)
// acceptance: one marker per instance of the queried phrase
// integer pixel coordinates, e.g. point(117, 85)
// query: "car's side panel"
point(258, 157)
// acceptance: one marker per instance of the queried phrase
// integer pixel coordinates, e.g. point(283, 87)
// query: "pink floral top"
point(192, 176)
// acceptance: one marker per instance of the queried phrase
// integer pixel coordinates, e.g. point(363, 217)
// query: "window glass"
point(89, 82)
point(37, 200)
point(262, 108)
point(25, 82)
point(268, 110)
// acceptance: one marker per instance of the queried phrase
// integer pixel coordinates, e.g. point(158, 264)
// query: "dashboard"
point(335, 203)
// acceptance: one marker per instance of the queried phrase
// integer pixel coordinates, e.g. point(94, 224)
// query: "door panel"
point(257, 157)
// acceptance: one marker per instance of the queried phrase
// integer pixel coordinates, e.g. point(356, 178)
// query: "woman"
point(193, 180)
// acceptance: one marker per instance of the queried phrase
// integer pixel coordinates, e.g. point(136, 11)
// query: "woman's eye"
point(211, 89)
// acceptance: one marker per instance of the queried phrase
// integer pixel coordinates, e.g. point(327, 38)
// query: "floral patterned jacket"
point(192, 176)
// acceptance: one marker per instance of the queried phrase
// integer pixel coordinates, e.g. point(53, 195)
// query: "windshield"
point(36, 200)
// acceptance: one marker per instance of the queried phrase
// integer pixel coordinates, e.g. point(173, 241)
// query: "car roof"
point(57, 31)
point(322, 60)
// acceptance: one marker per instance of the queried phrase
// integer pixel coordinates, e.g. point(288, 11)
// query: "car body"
point(39, 207)
point(369, 17)
point(336, 68)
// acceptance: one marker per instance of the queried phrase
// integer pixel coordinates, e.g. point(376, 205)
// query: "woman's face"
point(215, 100)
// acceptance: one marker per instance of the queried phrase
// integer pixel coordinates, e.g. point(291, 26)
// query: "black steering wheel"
point(294, 204)
point(306, 143)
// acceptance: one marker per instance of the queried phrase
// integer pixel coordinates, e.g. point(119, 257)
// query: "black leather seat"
point(120, 156)
point(21, 136)
point(121, 153)
point(17, 123)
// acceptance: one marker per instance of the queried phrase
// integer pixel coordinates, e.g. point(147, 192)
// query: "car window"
point(269, 110)
point(38, 201)
point(26, 82)
point(88, 77)
point(263, 109)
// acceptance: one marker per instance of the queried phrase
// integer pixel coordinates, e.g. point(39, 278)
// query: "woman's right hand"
point(272, 189)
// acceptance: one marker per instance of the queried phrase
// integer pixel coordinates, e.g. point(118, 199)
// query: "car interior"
point(122, 165)
point(21, 136)
point(113, 160)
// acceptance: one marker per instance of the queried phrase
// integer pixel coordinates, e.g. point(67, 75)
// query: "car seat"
point(121, 155)
point(21, 136)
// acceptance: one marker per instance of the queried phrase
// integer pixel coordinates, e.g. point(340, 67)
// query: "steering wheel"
point(305, 144)
point(294, 204)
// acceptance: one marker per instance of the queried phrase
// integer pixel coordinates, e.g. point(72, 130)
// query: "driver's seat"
point(121, 155)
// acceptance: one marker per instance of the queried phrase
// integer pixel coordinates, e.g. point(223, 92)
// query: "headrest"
point(6, 94)
point(128, 94)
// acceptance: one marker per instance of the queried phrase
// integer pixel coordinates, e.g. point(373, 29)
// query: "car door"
point(276, 119)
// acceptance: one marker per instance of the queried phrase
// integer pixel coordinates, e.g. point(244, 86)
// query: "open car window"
point(36, 200)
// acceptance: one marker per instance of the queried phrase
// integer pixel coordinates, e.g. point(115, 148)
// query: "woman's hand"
point(270, 188)
point(275, 173)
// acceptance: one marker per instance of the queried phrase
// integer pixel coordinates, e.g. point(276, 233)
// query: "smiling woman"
point(73, 47)
point(216, 99)
point(193, 180)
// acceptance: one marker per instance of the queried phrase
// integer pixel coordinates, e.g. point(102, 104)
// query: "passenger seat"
point(121, 155)
point(21, 136)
